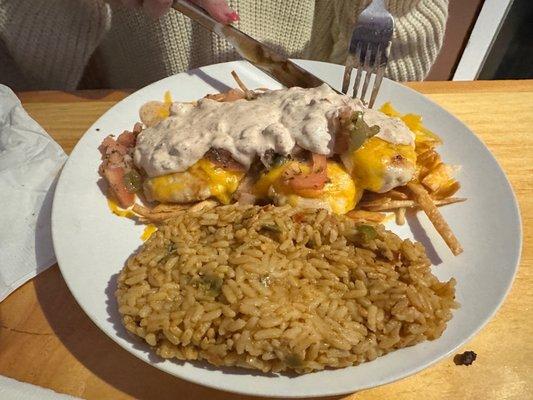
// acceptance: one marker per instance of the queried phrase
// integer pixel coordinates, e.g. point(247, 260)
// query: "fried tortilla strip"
point(144, 221)
point(169, 207)
point(448, 200)
point(387, 206)
point(160, 217)
point(363, 215)
point(446, 192)
point(206, 204)
point(396, 195)
point(148, 215)
point(163, 212)
point(375, 202)
point(426, 203)
point(400, 215)
point(229, 96)
point(249, 94)
point(141, 210)
point(396, 204)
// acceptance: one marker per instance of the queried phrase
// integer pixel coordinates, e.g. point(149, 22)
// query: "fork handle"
point(377, 5)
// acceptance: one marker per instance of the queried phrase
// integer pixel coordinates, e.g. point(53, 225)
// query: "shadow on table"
point(102, 356)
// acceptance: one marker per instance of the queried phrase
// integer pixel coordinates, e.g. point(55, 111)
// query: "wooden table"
point(46, 339)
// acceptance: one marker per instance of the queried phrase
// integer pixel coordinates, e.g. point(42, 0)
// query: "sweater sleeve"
point(50, 42)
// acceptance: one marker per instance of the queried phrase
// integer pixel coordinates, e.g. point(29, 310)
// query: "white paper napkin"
point(29, 163)
point(11, 389)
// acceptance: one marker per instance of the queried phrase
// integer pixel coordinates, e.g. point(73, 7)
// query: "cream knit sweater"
point(48, 43)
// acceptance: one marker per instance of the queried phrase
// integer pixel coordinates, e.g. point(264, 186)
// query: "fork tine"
point(359, 69)
point(381, 53)
point(368, 71)
point(372, 34)
point(377, 84)
point(377, 69)
point(351, 63)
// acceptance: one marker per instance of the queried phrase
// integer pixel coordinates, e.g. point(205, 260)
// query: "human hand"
point(218, 9)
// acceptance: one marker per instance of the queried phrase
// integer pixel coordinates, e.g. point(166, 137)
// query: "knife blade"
point(263, 57)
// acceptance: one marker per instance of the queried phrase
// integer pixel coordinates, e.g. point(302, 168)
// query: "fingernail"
point(233, 16)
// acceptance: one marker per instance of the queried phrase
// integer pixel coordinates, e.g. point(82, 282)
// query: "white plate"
point(91, 244)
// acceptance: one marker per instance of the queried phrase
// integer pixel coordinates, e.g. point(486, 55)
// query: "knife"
point(263, 57)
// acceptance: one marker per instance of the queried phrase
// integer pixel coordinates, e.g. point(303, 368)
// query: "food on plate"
point(379, 156)
point(202, 180)
point(117, 166)
point(288, 184)
point(279, 288)
point(309, 148)
point(426, 203)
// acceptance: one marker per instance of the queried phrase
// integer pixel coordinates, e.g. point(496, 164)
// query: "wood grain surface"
point(47, 340)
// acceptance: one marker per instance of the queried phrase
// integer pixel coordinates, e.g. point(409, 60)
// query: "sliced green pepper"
point(367, 232)
point(132, 181)
point(360, 131)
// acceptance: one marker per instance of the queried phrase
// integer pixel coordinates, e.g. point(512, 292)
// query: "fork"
point(369, 50)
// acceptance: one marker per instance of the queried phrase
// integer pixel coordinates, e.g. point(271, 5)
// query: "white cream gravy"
point(277, 120)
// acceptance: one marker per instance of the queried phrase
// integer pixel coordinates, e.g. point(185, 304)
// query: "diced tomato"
point(307, 192)
point(115, 179)
point(109, 145)
point(127, 139)
point(137, 128)
point(106, 143)
point(310, 184)
point(116, 162)
point(115, 158)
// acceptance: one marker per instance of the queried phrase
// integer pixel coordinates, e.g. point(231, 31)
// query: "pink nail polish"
point(233, 16)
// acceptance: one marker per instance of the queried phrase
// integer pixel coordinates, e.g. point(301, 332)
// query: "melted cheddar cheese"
point(202, 180)
point(379, 166)
point(339, 194)
point(222, 183)
point(148, 231)
point(119, 211)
